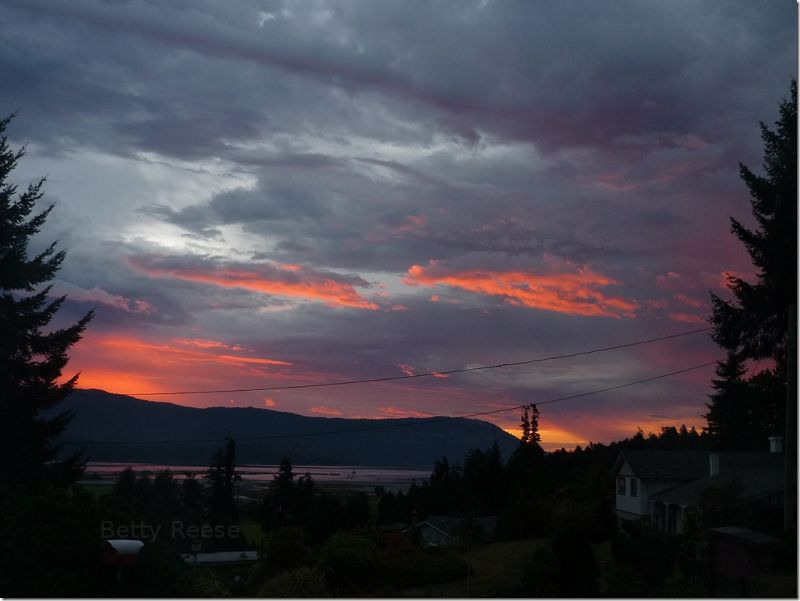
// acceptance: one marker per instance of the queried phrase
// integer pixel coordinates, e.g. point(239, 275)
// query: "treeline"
point(525, 490)
point(565, 497)
point(297, 503)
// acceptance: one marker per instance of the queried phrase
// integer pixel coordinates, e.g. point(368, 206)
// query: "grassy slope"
point(492, 566)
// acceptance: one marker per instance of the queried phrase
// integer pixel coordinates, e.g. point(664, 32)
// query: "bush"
point(625, 581)
point(679, 588)
point(295, 584)
point(526, 515)
point(417, 567)
point(544, 573)
point(573, 549)
point(207, 585)
point(349, 562)
point(652, 553)
point(285, 549)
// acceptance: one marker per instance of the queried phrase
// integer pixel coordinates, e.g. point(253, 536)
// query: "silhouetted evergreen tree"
point(755, 323)
point(221, 478)
point(525, 463)
point(728, 414)
point(31, 357)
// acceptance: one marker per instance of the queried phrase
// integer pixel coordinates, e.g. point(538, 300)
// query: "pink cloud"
point(208, 344)
point(574, 292)
point(686, 317)
point(687, 300)
point(98, 295)
point(398, 412)
point(406, 369)
point(291, 281)
point(329, 411)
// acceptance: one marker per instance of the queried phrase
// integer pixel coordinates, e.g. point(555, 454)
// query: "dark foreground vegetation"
point(556, 533)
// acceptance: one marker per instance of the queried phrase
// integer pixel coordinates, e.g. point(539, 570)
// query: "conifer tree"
point(728, 414)
point(754, 324)
point(221, 477)
point(32, 355)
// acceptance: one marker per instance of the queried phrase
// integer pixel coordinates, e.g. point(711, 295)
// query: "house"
point(440, 530)
point(641, 474)
point(759, 475)
point(660, 486)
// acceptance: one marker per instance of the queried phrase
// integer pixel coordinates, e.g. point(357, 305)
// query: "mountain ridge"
point(114, 427)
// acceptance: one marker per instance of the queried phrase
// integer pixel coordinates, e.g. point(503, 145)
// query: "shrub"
point(207, 585)
point(570, 541)
point(295, 584)
point(349, 562)
point(285, 549)
point(428, 566)
point(652, 553)
point(625, 581)
point(543, 574)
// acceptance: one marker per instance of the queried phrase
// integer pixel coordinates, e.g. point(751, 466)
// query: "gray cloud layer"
point(356, 140)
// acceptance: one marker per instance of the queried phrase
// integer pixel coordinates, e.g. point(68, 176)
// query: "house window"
point(633, 487)
point(621, 486)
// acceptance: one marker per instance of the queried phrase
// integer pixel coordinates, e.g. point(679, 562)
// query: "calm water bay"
point(262, 474)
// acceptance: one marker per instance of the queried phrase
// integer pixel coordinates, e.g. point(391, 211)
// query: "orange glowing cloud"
point(328, 411)
point(208, 344)
point(573, 293)
point(292, 281)
point(127, 364)
point(176, 354)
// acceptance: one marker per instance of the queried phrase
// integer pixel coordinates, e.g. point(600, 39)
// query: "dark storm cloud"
point(629, 67)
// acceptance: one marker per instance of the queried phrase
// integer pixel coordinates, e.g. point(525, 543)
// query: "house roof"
point(663, 465)
point(751, 460)
point(445, 524)
point(449, 526)
point(755, 483)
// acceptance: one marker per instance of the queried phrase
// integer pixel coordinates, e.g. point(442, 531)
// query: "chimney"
point(776, 444)
point(713, 464)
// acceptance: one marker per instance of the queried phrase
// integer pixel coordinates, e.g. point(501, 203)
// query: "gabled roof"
point(663, 465)
point(750, 460)
point(755, 484)
point(445, 524)
point(449, 526)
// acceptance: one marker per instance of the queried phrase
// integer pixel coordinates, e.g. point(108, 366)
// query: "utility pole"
point(790, 446)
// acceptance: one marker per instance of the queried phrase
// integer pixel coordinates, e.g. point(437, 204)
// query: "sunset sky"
point(259, 194)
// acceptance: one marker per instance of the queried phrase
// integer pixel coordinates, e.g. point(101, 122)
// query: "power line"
point(398, 425)
point(428, 374)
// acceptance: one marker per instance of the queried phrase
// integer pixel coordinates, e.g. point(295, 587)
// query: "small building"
point(440, 530)
point(741, 555)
